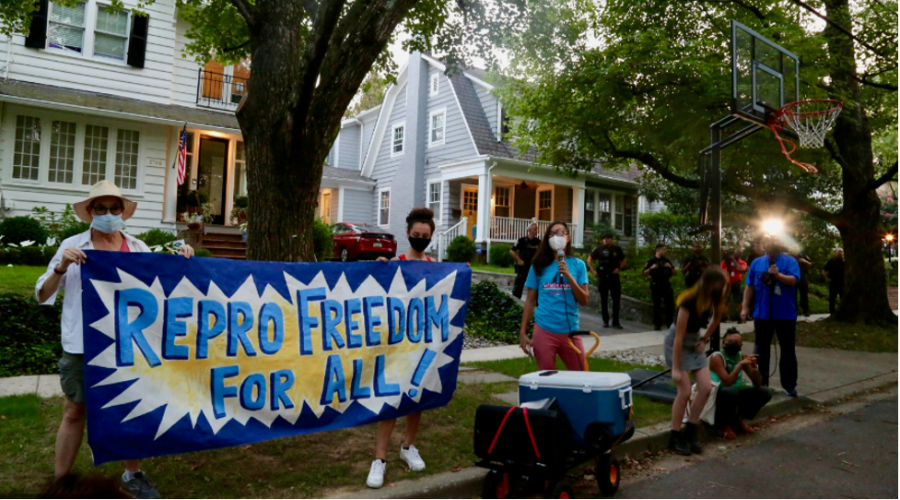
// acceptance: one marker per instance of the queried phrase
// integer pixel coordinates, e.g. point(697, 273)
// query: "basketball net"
point(810, 120)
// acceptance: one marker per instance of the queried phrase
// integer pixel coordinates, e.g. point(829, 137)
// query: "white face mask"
point(108, 223)
point(558, 243)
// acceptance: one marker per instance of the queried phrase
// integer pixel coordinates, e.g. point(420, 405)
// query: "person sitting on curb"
point(107, 210)
point(736, 401)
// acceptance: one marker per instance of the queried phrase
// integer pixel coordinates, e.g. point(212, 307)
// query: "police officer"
point(523, 252)
point(660, 270)
point(834, 275)
point(609, 259)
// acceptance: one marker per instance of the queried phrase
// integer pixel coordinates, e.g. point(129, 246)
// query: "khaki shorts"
point(71, 376)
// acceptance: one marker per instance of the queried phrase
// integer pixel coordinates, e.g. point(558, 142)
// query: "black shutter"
point(137, 42)
point(37, 35)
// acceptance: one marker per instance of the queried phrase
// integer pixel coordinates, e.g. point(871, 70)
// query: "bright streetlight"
point(889, 237)
point(773, 226)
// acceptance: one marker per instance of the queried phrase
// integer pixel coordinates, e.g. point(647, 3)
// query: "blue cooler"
point(585, 397)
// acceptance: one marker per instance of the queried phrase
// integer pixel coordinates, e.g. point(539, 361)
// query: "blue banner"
point(185, 355)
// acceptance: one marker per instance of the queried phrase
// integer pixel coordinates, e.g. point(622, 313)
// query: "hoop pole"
point(715, 192)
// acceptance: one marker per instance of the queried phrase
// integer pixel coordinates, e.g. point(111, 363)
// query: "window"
point(27, 159)
point(436, 124)
point(111, 34)
point(62, 152)
point(240, 170)
point(96, 144)
point(434, 198)
point(127, 158)
point(329, 160)
point(397, 140)
point(501, 201)
point(590, 207)
point(470, 200)
point(603, 207)
point(66, 28)
point(545, 205)
point(435, 86)
point(384, 207)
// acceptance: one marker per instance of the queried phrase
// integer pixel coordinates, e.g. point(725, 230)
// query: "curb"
point(467, 482)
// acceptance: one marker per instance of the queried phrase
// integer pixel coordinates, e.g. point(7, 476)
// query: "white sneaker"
point(412, 458)
point(376, 474)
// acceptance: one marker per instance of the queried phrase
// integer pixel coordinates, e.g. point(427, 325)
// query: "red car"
point(361, 242)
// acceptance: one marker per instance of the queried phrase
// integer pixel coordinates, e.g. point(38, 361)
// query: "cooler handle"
point(626, 401)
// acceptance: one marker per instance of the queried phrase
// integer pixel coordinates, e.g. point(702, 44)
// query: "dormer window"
point(435, 85)
point(66, 28)
point(111, 34)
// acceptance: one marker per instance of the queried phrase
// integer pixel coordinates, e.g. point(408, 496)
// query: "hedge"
point(461, 249)
point(29, 336)
point(492, 314)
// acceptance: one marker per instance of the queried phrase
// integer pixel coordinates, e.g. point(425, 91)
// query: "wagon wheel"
point(495, 485)
point(608, 474)
point(560, 489)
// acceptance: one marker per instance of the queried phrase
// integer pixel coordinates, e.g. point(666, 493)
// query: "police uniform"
point(661, 291)
point(606, 259)
point(526, 248)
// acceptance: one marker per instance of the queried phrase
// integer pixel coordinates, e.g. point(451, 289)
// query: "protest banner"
point(185, 355)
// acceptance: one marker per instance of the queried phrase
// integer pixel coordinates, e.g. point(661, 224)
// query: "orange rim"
point(613, 474)
point(564, 494)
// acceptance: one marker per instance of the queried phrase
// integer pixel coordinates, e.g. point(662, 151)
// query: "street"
point(806, 456)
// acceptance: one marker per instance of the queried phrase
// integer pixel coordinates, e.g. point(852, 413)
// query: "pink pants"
point(547, 345)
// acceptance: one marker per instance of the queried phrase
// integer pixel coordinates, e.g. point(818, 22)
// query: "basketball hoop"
point(810, 120)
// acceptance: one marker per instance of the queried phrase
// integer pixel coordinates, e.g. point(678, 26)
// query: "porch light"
point(524, 185)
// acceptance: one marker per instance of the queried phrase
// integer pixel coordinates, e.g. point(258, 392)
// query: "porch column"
point(170, 198)
point(340, 214)
point(578, 215)
point(484, 208)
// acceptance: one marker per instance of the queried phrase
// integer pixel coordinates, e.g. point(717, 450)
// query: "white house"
point(93, 95)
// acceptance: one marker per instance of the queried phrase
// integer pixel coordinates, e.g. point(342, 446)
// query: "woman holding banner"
point(557, 284)
point(107, 210)
point(419, 228)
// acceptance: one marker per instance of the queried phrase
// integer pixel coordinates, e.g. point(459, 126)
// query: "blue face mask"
point(108, 223)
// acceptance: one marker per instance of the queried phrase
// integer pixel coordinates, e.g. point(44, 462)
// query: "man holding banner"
point(107, 210)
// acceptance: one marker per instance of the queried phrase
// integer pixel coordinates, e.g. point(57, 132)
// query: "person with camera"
point(609, 259)
point(661, 270)
point(523, 252)
point(684, 348)
point(736, 400)
point(834, 276)
point(770, 282)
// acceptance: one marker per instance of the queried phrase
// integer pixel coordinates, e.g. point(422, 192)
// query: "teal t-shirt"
point(557, 311)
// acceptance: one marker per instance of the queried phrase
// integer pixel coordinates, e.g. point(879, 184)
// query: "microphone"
point(560, 255)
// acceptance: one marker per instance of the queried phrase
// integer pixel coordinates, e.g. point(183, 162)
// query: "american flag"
point(182, 155)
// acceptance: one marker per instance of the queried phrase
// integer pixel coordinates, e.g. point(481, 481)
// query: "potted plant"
point(207, 210)
point(239, 210)
point(194, 221)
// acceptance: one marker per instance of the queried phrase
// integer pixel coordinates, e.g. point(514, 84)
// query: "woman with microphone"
point(558, 284)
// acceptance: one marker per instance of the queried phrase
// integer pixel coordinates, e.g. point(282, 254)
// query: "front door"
point(212, 175)
point(470, 208)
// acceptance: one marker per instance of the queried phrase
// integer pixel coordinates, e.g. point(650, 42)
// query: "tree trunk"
point(865, 283)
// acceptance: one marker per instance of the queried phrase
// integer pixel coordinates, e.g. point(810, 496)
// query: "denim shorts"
point(71, 376)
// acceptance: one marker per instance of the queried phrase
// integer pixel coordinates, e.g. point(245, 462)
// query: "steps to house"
point(224, 245)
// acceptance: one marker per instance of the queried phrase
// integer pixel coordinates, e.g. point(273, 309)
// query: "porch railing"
point(444, 239)
point(509, 229)
point(216, 90)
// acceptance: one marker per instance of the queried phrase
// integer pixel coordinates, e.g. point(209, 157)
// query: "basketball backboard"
point(765, 76)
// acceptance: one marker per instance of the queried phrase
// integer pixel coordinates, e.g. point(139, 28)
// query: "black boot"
point(690, 437)
point(678, 444)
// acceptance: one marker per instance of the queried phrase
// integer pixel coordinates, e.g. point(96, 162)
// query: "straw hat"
point(99, 190)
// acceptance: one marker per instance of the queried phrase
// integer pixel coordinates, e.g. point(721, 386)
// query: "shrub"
point(29, 336)
point(155, 237)
point(492, 314)
point(667, 228)
point(323, 240)
point(72, 230)
point(603, 227)
point(33, 256)
point(19, 229)
point(461, 249)
point(59, 225)
point(202, 252)
point(500, 255)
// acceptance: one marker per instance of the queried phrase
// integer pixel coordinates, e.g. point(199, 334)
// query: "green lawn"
point(646, 411)
point(301, 466)
point(492, 268)
point(20, 279)
point(833, 335)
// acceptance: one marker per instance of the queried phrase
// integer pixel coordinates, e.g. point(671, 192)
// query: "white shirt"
point(72, 321)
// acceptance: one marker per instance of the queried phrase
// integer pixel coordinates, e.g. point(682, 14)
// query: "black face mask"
point(419, 244)
point(732, 349)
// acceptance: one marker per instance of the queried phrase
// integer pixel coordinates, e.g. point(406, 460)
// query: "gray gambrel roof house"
point(435, 141)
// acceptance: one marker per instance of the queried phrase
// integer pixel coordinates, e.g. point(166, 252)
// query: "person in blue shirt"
point(558, 284)
point(770, 282)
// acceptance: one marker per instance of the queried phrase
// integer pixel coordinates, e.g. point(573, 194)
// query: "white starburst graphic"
point(183, 385)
